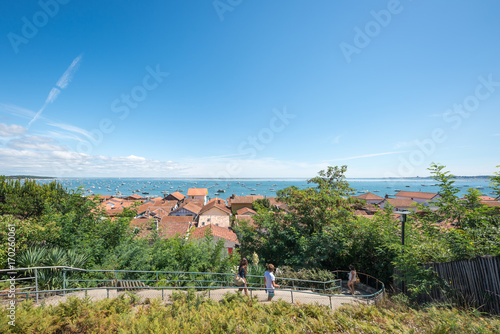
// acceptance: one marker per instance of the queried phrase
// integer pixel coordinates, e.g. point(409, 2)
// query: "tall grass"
point(191, 312)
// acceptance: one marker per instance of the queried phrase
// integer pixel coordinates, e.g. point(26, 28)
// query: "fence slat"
point(476, 280)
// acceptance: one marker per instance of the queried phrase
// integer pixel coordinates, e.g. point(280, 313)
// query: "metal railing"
point(177, 280)
point(377, 285)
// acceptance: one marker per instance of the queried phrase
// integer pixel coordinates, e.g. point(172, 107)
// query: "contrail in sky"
point(61, 84)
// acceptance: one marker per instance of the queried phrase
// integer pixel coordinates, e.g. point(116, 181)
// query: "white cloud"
point(64, 136)
point(62, 83)
point(17, 111)
point(54, 93)
point(68, 74)
point(60, 162)
point(11, 130)
point(34, 143)
point(72, 129)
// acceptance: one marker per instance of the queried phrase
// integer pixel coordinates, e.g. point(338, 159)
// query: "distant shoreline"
point(236, 179)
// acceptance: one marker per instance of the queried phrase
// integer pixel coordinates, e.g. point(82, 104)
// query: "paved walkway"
point(295, 297)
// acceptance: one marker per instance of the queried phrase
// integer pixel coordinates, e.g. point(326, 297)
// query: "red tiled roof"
point(177, 195)
point(196, 201)
point(171, 230)
point(101, 197)
point(400, 202)
point(144, 207)
point(135, 196)
point(492, 204)
point(244, 199)
point(145, 226)
point(218, 200)
point(197, 191)
point(487, 198)
point(369, 196)
point(244, 211)
point(190, 207)
point(176, 219)
point(416, 194)
point(217, 231)
point(214, 204)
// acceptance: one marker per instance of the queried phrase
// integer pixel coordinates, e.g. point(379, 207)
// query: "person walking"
point(269, 282)
point(242, 272)
point(353, 276)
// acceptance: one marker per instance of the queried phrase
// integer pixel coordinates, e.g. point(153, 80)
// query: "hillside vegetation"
point(189, 313)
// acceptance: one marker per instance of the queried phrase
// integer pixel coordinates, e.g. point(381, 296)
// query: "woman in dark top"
point(242, 272)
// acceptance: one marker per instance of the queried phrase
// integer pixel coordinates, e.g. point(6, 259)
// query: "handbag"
point(357, 279)
point(238, 280)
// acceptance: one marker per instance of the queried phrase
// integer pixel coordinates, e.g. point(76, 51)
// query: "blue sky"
point(237, 88)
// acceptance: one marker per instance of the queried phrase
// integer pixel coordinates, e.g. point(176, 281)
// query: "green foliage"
point(261, 204)
point(175, 254)
point(320, 275)
point(49, 279)
point(495, 184)
point(449, 205)
point(194, 313)
point(321, 230)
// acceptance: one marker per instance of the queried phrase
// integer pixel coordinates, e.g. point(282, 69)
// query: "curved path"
point(294, 297)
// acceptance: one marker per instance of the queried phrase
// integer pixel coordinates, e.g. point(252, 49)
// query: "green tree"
point(495, 184)
point(449, 206)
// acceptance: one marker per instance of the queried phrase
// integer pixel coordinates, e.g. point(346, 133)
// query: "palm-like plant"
point(75, 260)
point(31, 257)
point(53, 257)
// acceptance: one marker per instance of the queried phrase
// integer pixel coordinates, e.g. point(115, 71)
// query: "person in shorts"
point(269, 282)
point(242, 272)
point(352, 279)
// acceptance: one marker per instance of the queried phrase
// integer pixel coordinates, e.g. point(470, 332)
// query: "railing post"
point(291, 291)
point(64, 282)
point(36, 284)
point(107, 293)
point(156, 279)
point(330, 302)
point(162, 293)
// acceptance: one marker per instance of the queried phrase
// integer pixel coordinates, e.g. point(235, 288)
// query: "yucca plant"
point(75, 260)
point(52, 257)
point(31, 257)
point(55, 257)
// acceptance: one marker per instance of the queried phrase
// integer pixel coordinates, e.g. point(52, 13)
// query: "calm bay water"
point(240, 187)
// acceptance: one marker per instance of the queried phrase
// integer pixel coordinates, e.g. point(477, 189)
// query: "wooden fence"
point(476, 282)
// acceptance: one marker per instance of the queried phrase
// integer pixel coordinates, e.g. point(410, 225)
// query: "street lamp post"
point(403, 214)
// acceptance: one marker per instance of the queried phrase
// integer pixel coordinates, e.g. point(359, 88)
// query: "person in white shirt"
point(269, 282)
